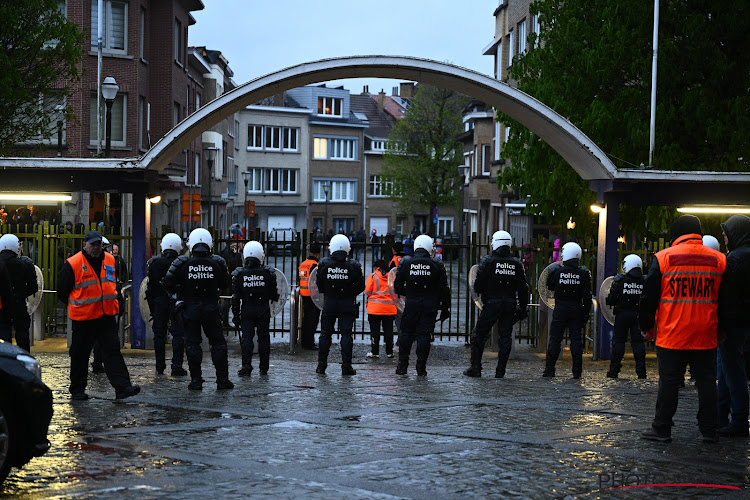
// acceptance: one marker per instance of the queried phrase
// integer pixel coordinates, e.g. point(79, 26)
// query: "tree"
point(39, 62)
point(592, 64)
point(424, 151)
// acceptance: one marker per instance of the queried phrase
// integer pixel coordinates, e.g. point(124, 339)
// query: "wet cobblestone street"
point(295, 434)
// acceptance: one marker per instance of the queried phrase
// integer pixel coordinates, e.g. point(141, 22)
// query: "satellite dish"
point(397, 299)
point(607, 311)
point(546, 295)
point(282, 286)
point(312, 285)
point(33, 301)
point(472, 278)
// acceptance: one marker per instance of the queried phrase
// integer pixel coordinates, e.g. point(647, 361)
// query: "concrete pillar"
point(606, 265)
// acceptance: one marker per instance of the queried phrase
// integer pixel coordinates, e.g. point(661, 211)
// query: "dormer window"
point(330, 106)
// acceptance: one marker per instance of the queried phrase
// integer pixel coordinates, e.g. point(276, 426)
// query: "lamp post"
point(326, 187)
point(463, 170)
point(246, 179)
point(210, 158)
point(109, 93)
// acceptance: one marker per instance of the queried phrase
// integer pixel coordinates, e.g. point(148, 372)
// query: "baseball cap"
point(92, 237)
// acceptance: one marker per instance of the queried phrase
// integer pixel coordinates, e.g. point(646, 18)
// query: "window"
point(236, 135)
point(334, 148)
point(288, 180)
point(272, 180)
point(255, 180)
point(499, 62)
point(291, 138)
point(254, 137)
point(141, 122)
point(115, 26)
point(142, 36)
point(522, 37)
point(535, 28)
point(177, 41)
point(378, 145)
point(379, 186)
point(197, 101)
point(175, 114)
point(119, 116)
point(344, 225)
point(330, 106)
point(486, 159)
point(197, 170)
point(445, 226)
point(338, 190)
point(511, 46)
point(497, 141)
point(272, 138)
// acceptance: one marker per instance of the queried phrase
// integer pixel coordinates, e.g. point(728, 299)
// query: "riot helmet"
point(339, 243)
point(105, 243)
point(171, 241)
point(631, 261)
point(711, 242)
point(200, 236)
point(425, 242)
point(570, 251)
point(501, 239)
point(255, 250)
point(10, 242)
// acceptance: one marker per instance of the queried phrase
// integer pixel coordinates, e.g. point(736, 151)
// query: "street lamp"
point(246, 179)
point(109, 92)
point(326, 187)
point(210, 157)
point(463, 171)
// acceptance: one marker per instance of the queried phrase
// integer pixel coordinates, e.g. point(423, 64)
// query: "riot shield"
point(607, 311)
point(312, 285)
point(33, 301)
point(143, 303)
point(282, 286)
point(472, 278)
point(398, 300)
point(545, 294)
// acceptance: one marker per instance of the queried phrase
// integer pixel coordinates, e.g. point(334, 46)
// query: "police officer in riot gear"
point(162, 307)
point(421, 278)
point(340, 280)
point(196, 280)
point(22, 284)
point(253, 286)
point(624, 296)
point(501, 281)
point(571, 283)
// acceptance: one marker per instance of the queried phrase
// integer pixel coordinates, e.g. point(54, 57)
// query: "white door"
point(379, 223)
point(281, 222)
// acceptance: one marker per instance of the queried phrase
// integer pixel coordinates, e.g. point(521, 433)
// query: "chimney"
point(381, 100)
point(366, 89)
point(407, 89)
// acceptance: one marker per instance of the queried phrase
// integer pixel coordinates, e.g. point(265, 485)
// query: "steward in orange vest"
point(398, 254)
point(86, 283)
point(380, 310)
point(680, 297)
point(310, 312)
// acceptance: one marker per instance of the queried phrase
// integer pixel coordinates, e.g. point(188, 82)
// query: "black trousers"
point(205, 316)
point(376, 320)
point(626, 323)
point(251, 325)
point(343, 310)
point(672, 364)
point(14, 316)
point(84, 334)
point(570, 317)
point(310, 318)
point(417, 323)
point(502, 313)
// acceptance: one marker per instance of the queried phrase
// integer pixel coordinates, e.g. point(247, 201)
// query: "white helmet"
point(711, 242)
point(631, 261)
point(425, 242)
point(339, 242)
point(253, 249)
point(10, 242)
point(171, 241)
point(501, 239)
point(105, 242)
point(570, 251)
point(200, 235)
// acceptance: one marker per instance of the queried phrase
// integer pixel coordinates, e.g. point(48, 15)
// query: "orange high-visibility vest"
point(378, 297)
point(92, 296)
point(395, 260)
point(691, 274)
point(304, 276)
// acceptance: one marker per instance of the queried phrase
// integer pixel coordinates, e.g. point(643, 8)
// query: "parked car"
point(282, 242)
point(25, 409)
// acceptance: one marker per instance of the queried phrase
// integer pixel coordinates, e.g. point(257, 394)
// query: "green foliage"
point(424, 152)
point(39, 62)
point(592, 64)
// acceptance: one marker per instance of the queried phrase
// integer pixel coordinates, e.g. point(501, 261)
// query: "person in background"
point(310, 312)
point(380, 309)
point(375, 241)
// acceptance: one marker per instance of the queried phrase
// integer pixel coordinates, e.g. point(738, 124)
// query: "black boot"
point(348, 370)
point(196, 384)
point(422, 368)
point(321, 369)
point(224, 384)
point(401, 368)
point(245, 371)
point(577, 365)
point(476, 361)
point(549, 368)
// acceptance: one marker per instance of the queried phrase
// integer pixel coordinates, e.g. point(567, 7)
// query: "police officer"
point(422, 280)
point(86, 283)
point(501, 281)
point(625, 296)
point(310, 312)
point(253, 286)
point(162, 307)
point(23, 283)
point(340, 280)
point(196, 280)
point(571, 283)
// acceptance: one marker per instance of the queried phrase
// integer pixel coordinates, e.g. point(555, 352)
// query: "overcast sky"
point(259, 36)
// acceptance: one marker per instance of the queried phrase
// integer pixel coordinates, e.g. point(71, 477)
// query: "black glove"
point(520, 315)
point(444, 314)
